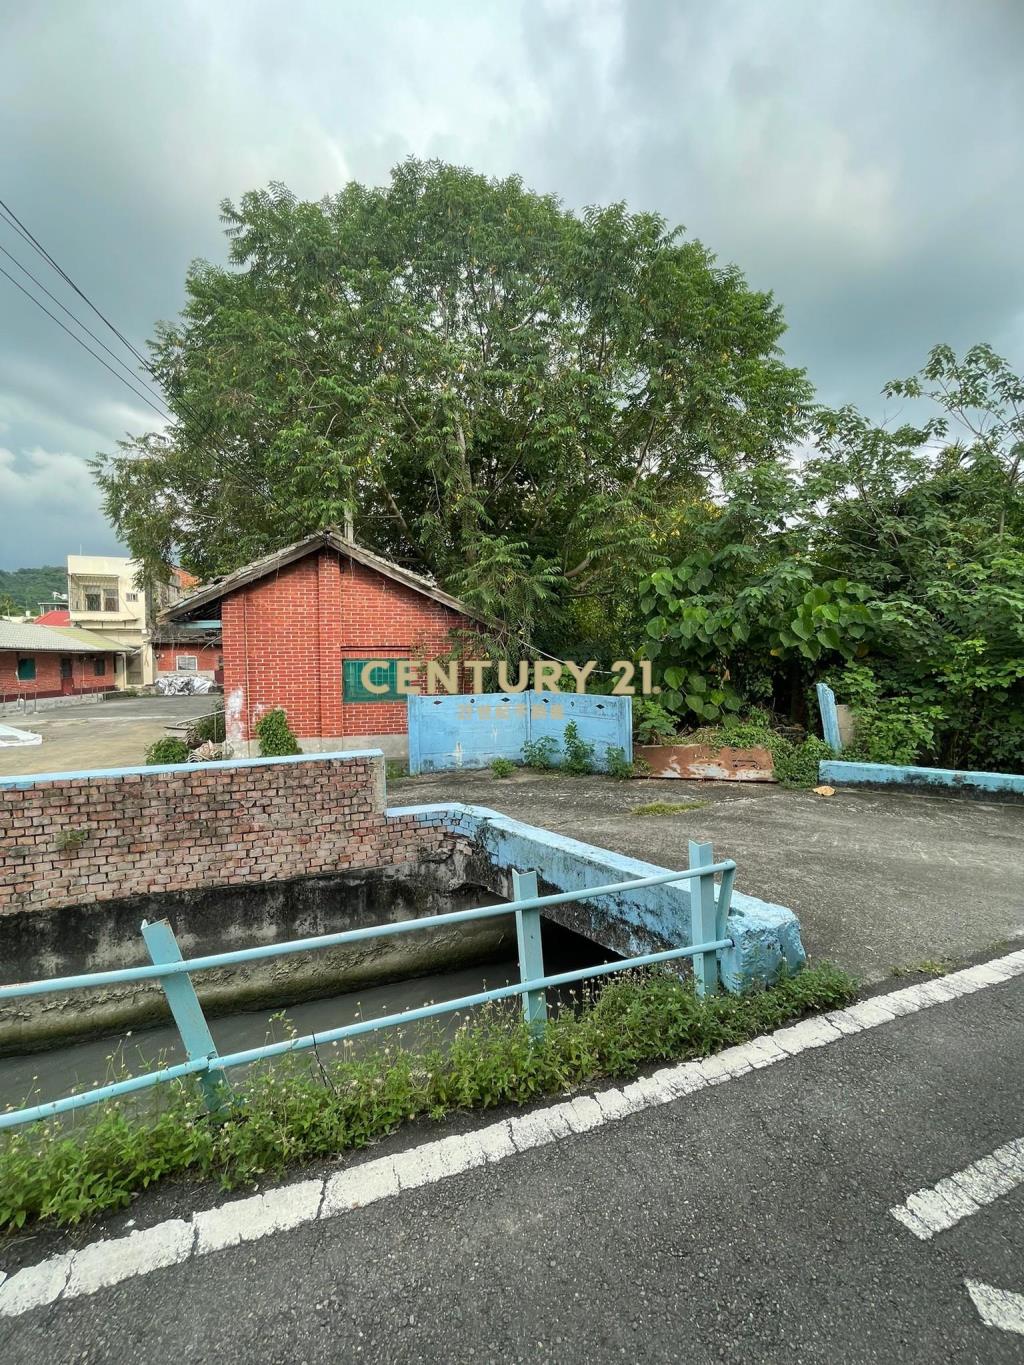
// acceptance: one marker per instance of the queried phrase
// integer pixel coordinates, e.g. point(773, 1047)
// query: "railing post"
point(531, 955)
point(703, 917)
point(186, 1009)
point(829, 717)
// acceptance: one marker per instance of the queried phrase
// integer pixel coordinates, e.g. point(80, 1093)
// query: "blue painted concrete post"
point(829, 717)
point(703, 916)
point(531, 955)
point(186, 1009)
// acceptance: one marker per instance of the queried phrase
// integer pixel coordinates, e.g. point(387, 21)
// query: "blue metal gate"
point(472, 731)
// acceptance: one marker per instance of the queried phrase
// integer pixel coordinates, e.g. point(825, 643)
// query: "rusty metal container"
point(700, 761)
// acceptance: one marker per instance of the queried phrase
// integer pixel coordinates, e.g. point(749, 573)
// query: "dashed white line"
point(108, 1262)
point(939, 1207)
point(997, 1307)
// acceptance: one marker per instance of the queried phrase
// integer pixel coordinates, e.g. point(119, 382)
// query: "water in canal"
point(39, 1076)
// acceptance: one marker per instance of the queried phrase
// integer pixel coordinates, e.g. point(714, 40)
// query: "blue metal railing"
point(708, 916)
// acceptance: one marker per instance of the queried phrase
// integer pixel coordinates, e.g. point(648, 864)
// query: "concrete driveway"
point(880, 881)
point(107, 734)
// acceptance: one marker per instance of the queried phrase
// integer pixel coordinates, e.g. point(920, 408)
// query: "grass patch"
point(930, 967)
point(307, 1107)
point(668, 807)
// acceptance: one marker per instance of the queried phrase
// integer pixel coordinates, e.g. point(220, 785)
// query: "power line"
point(81, 343)
point(11, 219)
point(23, 231)
point(78, 322)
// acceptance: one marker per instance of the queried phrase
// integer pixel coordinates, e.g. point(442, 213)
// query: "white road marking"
point(109, 1261)
point(939, 1207)
point(997, 1307)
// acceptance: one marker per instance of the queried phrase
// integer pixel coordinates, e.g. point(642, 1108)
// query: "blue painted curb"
point(766, 937)
point(891, 774)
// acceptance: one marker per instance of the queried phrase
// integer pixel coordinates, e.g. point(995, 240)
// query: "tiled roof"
point(218, 588)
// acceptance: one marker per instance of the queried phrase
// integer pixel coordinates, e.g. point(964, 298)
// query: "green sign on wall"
point(381, 672)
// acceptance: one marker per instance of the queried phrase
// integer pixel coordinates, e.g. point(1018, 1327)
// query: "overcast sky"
point(864, 160)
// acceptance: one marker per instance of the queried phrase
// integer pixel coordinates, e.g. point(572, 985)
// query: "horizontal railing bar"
point(200, 964)
point(311, 1040)
point(462, 1002)
point(105, 1092)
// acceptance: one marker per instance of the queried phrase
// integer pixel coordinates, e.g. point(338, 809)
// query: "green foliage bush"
point(275, 735)
point(298, 1111)
point(541, 753)
point(167, 750)
point(502, 767)
point(579, 755)
point(616, 763)
point(206, 729)
point(653, 723)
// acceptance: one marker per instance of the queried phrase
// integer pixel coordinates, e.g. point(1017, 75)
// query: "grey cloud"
point(861, 159)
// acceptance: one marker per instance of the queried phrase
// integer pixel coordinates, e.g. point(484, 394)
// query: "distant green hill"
point(29, 587)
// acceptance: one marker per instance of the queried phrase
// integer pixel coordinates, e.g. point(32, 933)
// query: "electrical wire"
point(81, 343)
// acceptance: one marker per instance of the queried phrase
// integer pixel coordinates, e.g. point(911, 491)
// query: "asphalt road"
point(749, 1222)
point(107, 734)
point(879, 880)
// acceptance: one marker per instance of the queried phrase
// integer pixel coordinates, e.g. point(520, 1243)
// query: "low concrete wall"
point(766, 936)
point(79, 939)
point(843, 774)
point(243, 853)
point(25, 706)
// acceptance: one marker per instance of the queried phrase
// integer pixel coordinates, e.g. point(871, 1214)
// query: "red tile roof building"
point(293, 620)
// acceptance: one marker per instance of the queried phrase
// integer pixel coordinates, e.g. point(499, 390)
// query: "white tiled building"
point(106, 596)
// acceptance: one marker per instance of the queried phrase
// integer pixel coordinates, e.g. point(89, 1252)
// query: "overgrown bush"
point(652, 722)
point(796, 765)
point(579, 755)
point(617, 764)
point(206, 730)
point(167, 750)
point(502, 767)
point(275, 735)
point(541, 753)
point(298, 1110)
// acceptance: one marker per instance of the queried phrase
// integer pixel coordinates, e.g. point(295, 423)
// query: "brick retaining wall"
point(69, 839)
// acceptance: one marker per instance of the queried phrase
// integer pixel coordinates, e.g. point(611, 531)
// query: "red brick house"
point(37, 661)
point(298, 625)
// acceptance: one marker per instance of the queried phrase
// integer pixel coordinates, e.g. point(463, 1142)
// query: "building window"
point(110, 602)
point(99, 667)
point(382, 674)
point(186, 663)
point(26, 670)
point(131, 597)
point(93, 601)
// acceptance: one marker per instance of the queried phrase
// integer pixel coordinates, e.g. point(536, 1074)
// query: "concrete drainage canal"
point(259, 852)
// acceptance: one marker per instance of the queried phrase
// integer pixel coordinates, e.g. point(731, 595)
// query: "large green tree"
point(504, 393)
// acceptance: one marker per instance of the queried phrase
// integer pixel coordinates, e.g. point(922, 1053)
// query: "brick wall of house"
point(84, 840)
point(286, 637)
point(207, 657)
point(47, 682)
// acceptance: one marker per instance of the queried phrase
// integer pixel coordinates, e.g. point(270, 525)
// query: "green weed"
point(306, 1107)
point(668, 807)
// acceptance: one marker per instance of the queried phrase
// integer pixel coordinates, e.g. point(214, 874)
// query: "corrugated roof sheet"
point(93, 638)
point(32, 639)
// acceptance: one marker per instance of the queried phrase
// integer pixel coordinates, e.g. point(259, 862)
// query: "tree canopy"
point(505, 393)
point(891, 562)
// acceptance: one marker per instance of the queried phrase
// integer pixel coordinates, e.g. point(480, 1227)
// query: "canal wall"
point(261, 851)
